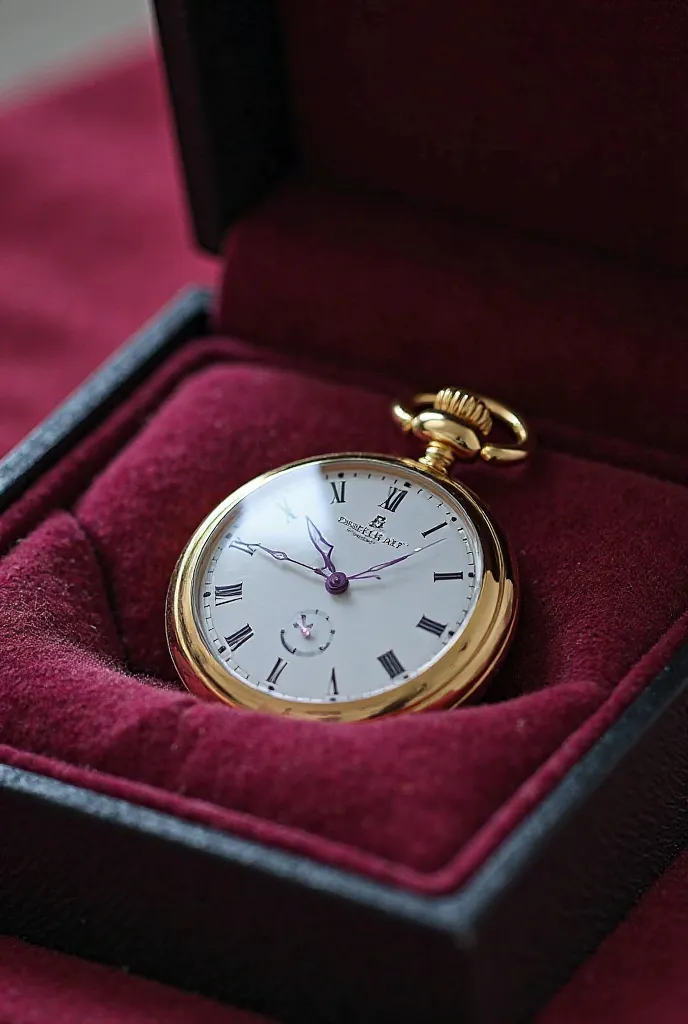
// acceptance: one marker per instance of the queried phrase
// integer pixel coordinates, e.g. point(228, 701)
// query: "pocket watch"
point(344, 587)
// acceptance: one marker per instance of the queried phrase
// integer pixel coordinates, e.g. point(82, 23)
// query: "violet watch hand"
point(322, 546)
point(282, 556)
point(370, 572)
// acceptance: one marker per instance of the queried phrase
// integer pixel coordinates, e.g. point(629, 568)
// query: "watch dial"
point(338, 580)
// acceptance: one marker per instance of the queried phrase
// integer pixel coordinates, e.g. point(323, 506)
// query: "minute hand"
point(282, 556)
point(369, 573)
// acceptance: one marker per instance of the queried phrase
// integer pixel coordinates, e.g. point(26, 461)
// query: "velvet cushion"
point(564, 118)
point(418, 799)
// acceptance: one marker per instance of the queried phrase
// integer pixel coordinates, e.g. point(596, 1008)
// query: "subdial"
point(310, 632)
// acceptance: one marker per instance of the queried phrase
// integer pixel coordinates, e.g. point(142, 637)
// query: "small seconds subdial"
point(309, 633)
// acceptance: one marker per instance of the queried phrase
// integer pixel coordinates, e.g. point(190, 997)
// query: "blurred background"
point(39, 38)
point(94, 230)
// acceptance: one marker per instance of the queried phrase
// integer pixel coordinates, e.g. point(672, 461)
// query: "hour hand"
point(322, 546)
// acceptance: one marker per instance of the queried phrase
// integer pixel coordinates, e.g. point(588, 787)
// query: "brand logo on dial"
point(371, 534)
point(378, 523)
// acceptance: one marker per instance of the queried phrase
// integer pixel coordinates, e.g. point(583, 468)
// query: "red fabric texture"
point(580, 340)
point(417, 798)
point(70, 551)
point(37, 987)
point(639, 973)
point(566, 119)
point(85, 141)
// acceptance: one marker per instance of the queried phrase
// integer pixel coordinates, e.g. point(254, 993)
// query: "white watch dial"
point(338, 580)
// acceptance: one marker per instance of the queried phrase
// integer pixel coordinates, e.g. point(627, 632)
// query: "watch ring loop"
point(405, 415)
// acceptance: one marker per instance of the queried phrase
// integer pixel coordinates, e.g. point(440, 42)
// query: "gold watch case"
point(454, 424)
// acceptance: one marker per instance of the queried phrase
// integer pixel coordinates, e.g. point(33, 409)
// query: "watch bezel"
point(460, 672)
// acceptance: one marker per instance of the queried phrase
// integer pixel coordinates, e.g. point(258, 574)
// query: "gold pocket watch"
point(344, 587)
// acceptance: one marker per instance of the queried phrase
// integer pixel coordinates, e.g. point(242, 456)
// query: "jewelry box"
point(401, 196)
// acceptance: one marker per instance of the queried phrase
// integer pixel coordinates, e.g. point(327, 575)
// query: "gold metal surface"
point(465, 407)
point(456, 424)
point(456, 676)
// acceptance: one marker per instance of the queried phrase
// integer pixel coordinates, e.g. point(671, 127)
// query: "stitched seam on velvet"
point(108, 590)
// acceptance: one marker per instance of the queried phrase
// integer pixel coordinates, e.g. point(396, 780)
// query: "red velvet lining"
point(38, 986)
point(574, 338)
point(561, 118)
point(86, 181)
point(419, 800)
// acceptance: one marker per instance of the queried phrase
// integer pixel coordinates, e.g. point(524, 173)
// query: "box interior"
point(562, 119)
point(358, 279)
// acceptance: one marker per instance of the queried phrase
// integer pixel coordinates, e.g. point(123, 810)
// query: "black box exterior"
point(285, 935)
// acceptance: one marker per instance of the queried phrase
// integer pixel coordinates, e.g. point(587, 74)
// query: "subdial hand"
point(306, 628)
point(370, 572)
point(282, 556)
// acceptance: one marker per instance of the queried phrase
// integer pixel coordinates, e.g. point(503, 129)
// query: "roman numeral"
point(391, 664)
point(339, 489)
point(276, 671)
point(240, 637)
point(448, 576)
point(393, 499)
point(333, 689)
point(240, 546)
point(283, 506)
point(437, 628)
point(434, 529)
point(225, 595)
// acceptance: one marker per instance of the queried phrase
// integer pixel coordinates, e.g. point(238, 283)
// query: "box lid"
point(228, 87)
point(566, 120)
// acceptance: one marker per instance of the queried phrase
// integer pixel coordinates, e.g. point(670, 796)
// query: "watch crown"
point(464, 407)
